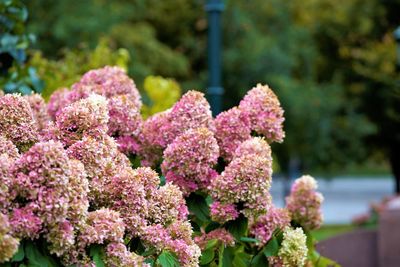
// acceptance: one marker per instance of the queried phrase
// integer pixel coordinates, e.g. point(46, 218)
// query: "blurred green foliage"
point(14, 41)
point(332, 63)
point(161, 94)
point(68, 69)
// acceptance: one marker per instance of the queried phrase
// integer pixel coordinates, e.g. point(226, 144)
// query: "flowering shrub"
point(86, 181)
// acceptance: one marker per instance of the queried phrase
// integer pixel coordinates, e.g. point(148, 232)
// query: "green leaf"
point(162, 180)
point(36, 258)
point(149, 252)
point(259, 260)
point(310, 240)
point(313, 255)
point(212, 226)
point(248, 239)
point(96, 252)
point(241, 259)
point(19, 256)
point(227, 257)
point(149, 261)
point(207, 256)
point(237, 227)
point(325, 262)
point(167, 259)
point(221, 255)
point(211, 243)
point(272, 248)
point(198, 207)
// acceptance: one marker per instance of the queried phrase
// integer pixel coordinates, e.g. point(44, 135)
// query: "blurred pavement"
point(345, 197)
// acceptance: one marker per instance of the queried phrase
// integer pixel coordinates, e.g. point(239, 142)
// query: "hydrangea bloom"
point(246, 181)
point(109, 81)
point(221, 234)
point(223, 212)
point(102, 161)
point(124, 104)
point(293, 251)
point(176, 238)
point(256, 146)
point(61, 238)
point(167, 204)
point(5, 181)
point(16, 121)
point(125, 122)
point(232, 127)
point(78, 193)
point(103, 225)
point(8, 154)
point(152, 139)
point(25, 223)
point(85, 117)
point(8, 244)
point(8, 148)
point(57, 101)
point(41, 177)
point(189, 159)
point(190, 112)
point(39, 110)
point(51, 190)
point(118, 255)
point(304, 203)
point(265, 225)
point(262, 106)
point(128, 196)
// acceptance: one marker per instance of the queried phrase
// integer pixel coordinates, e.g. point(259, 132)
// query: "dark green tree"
point(331, 63)
point(14, 41)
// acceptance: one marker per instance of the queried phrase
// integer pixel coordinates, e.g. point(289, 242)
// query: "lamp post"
point(396, 35)
point(214, 89)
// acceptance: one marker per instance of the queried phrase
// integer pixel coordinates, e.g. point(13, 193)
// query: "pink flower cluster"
point(190, 158)
point(118, 255)
point(102, 161)
point(46, 193)
point(155, 214)
point(304, 203)
point(223, 212)
point(222, 235)
point(232, 128)
point(39, 110)
point(259, 112)
point(103, 225)
point(125, 122)
point(44, 179)
point(108, 82)
point(192, 111)
point(265, 225)
point(245, 182)
point(263, 109)
point(124, 103)
point(85, 117)
point(70, 182)
point(8, 148)
point(177, 238)
point(8, 244)
point(17, 122)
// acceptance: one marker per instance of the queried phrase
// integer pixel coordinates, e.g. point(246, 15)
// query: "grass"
point(328, 231)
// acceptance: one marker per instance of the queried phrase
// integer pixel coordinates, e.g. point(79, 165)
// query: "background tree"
point(14, 41)
point(332, 63)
